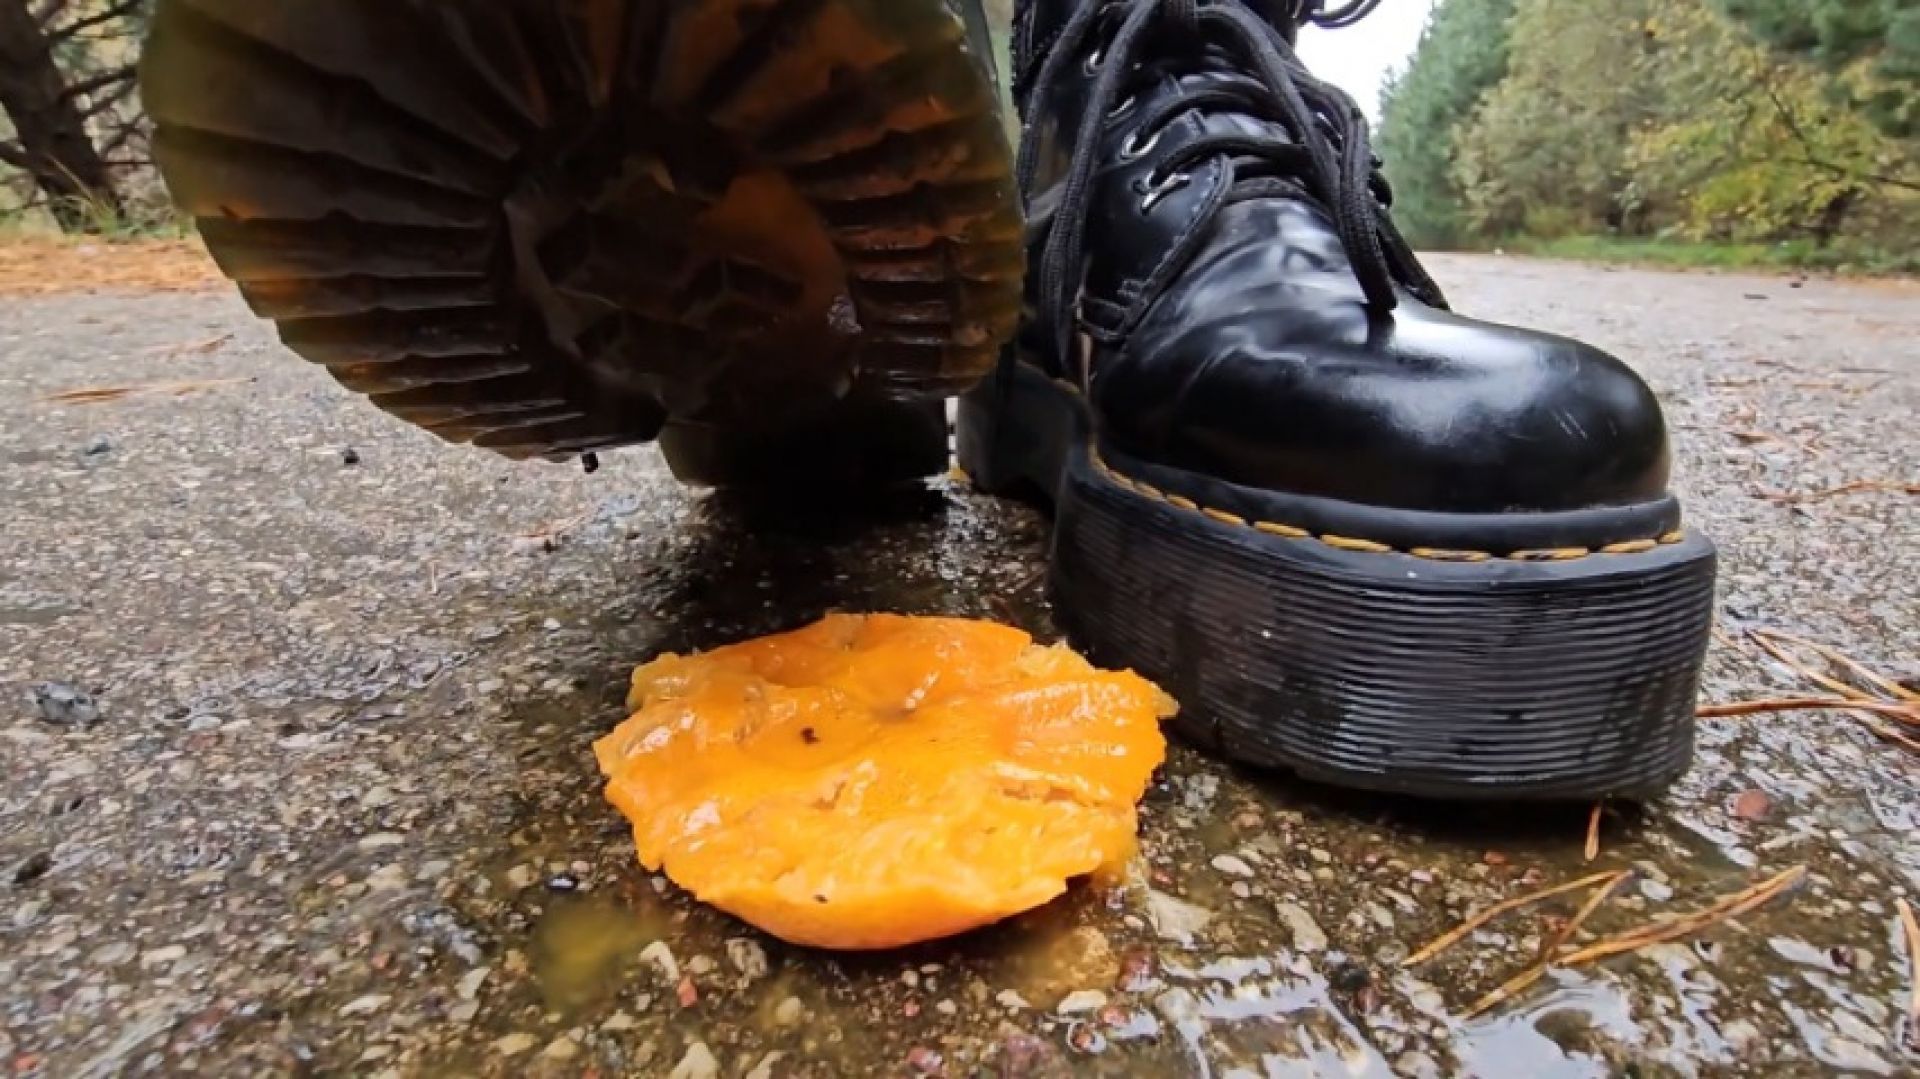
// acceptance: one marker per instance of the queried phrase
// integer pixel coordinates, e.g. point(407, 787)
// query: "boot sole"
point(550, 227)
point(1551, 675)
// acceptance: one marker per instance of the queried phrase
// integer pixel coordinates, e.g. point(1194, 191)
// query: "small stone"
point(1741, 1034)
point(1656, 891)
point(372, 1002)
point(1010, 999)
point(698, 1063)
point(381, 839)
point(1176, 919)
point(1415, 1064)
point(512, 1045)
point(562, 1048)
point(464, 1012)
point(747, 957)
point(661, 956)
point(618, 1022)
point(700, 965)
point(947, 1007)
point(686, 993)
point(1083, 1000)
point(789, 1011)
point(349, 457)
point(925, 1061)
point(550, 624)
point(1227, 863)
point(64, 704)
point(1307, 934)
point(158, 956)
point(32, 867)
point(470, 982)
point(1320, 855)
point(97, 446)
point(521, 876)
point(1753, 805)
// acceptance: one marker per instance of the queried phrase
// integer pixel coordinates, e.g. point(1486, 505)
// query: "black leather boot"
point(775, 234)
point(1356, 535)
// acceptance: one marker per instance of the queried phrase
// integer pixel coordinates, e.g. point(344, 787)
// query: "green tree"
point(1462, 54)
point(1746, 144)
point(1545, 154)
point(1875, 44)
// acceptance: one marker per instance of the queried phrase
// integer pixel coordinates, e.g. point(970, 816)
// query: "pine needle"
point(1912, 929)
point(1683, 925)
point(93, 395)
point(1772, 642)
point(1475, 921)
point(1906, 713)
point(1856, 487)
point(1524, 980)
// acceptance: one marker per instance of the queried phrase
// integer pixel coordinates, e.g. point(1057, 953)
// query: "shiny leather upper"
point(1260, 363)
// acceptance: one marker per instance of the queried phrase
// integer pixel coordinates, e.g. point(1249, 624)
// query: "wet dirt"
point(340, 816)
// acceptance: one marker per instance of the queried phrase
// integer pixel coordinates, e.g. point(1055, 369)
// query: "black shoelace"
point(1330, 157)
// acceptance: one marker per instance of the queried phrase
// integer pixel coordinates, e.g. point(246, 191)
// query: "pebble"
point(698, 1063)
point(747, 957)
point(1227, 863)
point(789, 1011)
point(64, 704)
point(512, 1045)
point(170, 954)
point(562, 1048)
point(32, 868)
point(470, 982)
point(382, 839)
point(764, 1069)
point(1011, 999)
point(372, 1002)
point(97, 446)
point(700, 965)
point(521, 876)
point(349, 457)
point(1307, 934)
point(618, 1022)
point(1082, 1000)
point(464, 1012)
point(1176, 919)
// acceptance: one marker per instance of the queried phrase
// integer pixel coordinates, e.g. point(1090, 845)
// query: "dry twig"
point(1593, 831)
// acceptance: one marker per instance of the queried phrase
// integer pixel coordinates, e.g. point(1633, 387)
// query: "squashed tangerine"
point(875, 781)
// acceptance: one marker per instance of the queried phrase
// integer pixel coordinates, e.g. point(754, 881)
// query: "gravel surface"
point(295, 707)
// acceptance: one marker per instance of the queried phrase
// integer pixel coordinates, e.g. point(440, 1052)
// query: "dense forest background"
point(1736, 131)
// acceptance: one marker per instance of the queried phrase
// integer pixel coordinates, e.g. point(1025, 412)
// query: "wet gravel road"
point(330, 807)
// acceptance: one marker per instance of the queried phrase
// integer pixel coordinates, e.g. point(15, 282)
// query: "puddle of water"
point(586, 949)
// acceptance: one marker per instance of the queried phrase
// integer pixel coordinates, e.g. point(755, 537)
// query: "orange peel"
point(874, 781)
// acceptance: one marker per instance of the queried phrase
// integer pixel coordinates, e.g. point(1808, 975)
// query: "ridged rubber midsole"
point(1378, 669)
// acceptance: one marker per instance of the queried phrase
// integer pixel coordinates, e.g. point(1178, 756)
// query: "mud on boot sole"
point(548, 227)
point(1554, 673)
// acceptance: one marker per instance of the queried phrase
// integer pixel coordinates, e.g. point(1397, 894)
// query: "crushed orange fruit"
point(875, 781)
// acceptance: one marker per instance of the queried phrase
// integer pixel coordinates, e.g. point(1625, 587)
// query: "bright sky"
point(1358, 58)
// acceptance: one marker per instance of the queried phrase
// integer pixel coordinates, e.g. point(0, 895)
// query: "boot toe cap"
point(1428, 412)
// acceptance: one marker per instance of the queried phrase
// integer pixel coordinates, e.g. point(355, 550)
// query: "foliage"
point(1656, 120)
point(1462, 55)
point(1874, 43)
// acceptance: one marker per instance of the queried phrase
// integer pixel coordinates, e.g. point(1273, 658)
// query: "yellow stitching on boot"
point(1551, 554)
point(1348, 544)
point(1440, 554)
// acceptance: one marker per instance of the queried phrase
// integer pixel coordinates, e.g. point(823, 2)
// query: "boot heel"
point(852, 446)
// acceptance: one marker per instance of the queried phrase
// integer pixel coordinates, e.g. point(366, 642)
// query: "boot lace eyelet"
point(1152, 191)
point(1124, 107)
point(1095, 59)
point(1134, 147)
